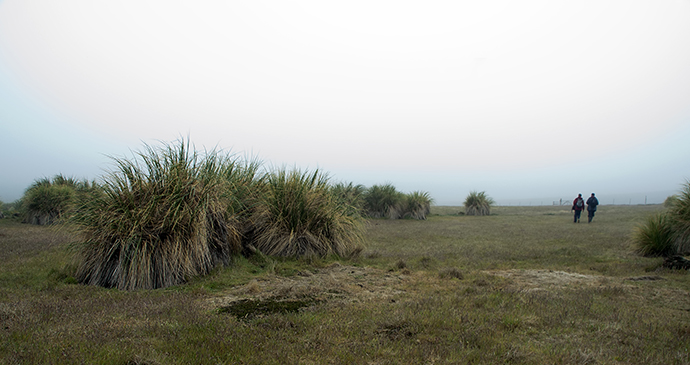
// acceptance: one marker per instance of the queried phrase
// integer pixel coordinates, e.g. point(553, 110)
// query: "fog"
point(530, 101)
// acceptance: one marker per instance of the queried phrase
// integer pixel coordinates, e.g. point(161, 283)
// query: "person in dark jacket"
point(592, 203)
point(578, 207)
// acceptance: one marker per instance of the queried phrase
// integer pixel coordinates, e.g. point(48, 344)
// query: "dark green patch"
point(249, 309)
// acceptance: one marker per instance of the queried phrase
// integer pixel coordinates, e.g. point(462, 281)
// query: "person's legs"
point(576, 218)
point(590, 215)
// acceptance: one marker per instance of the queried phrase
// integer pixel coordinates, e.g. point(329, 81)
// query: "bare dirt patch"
point(353, 284)
point(548, 278)
point(336, 282)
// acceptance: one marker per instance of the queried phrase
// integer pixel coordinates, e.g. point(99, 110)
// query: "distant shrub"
point(168, 214)
point(417, 205)
point(478, 203)
point(298, 215)
point(47, 201)
point(383, 201)
point(351, 195)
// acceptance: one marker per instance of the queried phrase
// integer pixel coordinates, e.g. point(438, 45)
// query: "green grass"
point(424, 291)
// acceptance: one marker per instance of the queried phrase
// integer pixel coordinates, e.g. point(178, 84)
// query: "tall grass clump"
point(680, 213)
point(656, 236)
point(417, 205)
point(384, 201)
point(298, 215)
point(167, 214)
point(666, 233)
point(478, 203)
point(47, 201)
point(670, 200)
point(351, 195)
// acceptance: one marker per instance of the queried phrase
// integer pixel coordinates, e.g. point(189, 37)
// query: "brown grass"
point(534, 289)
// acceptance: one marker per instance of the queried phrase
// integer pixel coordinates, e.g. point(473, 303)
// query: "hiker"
point(578, 207)
point(592, 203)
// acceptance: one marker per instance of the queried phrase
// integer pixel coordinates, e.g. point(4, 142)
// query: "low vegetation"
point(162, 217)
point(47, 201)
point(666, 233)
point(478, 203)
point(385, 201)
point(350, 195)
point(523, 286)
point(298, 215)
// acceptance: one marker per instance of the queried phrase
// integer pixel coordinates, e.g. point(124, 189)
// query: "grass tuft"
point(165, 216)
point(48, 201)
point(655, 236)
point(383, 201)
point(417, 205)
point(666, 233)
point(478, 203)
point(298, 215)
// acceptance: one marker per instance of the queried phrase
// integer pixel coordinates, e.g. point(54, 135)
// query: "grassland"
point(524, 285)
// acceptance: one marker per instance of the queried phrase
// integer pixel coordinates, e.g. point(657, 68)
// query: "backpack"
point(579, 203)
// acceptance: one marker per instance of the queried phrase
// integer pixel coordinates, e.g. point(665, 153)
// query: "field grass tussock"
point(298, 215)
point(161, 218)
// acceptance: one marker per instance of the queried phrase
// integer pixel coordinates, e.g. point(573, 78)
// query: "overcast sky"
point(530, 101)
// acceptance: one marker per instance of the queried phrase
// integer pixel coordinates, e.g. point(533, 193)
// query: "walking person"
point(592, 203)
point(578, 207)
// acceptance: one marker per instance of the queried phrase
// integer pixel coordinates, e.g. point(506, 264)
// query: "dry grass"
point(533, 289)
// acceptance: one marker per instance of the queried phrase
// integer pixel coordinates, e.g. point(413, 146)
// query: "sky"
point(529, 101)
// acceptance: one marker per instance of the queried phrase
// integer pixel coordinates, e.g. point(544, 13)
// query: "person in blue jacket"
point(592, 203)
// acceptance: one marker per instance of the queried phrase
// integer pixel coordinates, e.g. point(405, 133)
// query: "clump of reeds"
point(417, 205)
point(298, 215)
point(655, 237)
point(666, 233)
point(478, 203)
point(167, 215)
point(351, 195)
point(383, 201)
point(47, 201)
point(680, 213)
point(670, 200)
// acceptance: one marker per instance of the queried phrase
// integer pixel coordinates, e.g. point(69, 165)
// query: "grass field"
point(524, 285)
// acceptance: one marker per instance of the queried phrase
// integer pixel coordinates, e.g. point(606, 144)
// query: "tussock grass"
point(165, 216)
point(655, 237)
point(417, 205)
point(666, 233)
point(383, 201)
point(478, 203)
point(47, 201)
point(298, 215)
point(350, 195)
point(680, 214)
